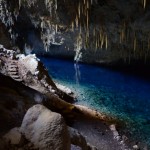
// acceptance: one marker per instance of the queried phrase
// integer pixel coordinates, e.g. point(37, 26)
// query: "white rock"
point(30, 62)
point(20, 56)
point(135, 147)
point(1, 46)
point(64, 88)
point(112, 127)
point(45, 129)
point(53, 91)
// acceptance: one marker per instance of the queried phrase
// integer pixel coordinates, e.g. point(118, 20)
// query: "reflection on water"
point(123, 96)
point(77, 72)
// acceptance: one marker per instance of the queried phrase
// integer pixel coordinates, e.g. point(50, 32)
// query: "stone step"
point(12, 67)
point(12, 70)
point(12, 63)
point(15, 76)
point(13, 73)
point(19, 80)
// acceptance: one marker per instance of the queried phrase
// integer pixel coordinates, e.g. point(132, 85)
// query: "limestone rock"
point(30, 62)
point(45, 129)
point(64, 89)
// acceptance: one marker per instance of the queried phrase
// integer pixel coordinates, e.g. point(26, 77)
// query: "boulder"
point(14, 136)
point(45, 129)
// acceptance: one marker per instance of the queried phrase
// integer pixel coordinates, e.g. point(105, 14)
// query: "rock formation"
point(45, 129)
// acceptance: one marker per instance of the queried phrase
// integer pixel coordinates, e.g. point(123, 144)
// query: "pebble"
point(112, 127)
point(135, 147)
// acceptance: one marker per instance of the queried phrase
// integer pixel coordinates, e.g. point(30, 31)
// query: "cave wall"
point(4, 36)
point(92, 31)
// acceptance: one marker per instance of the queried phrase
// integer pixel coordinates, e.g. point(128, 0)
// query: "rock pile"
point(43, 129)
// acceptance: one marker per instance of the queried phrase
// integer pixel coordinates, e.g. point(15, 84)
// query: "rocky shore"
point(36, 111)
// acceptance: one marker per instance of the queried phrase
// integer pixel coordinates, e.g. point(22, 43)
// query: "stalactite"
point(80, 29)
point(79, 44)
point(87, 20)
point(135, 43)
point(20, 3)
point(148, 44)
point(144, 4)
point(77, 21)
point(87, 4)
point(55, 4)
point(42, 24)
point(72, 25)
point(102, 41)
point(91, 1)
point(120, 37)
point(106, 42)
point(56, 28)
point(16, 13)
point(79, 12)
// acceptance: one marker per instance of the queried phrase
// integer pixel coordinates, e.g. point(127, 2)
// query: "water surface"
point(114, 93)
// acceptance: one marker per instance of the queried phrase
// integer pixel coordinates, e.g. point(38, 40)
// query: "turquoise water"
point(123, 96)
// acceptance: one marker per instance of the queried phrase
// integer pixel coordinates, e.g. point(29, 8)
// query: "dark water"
point(123, 96)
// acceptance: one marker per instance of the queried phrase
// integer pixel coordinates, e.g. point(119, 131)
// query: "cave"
point(74, 74)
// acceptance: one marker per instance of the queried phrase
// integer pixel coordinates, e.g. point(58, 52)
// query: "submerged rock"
point(45, 129)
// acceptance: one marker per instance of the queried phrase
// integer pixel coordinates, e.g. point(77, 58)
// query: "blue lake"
point(113, 93)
